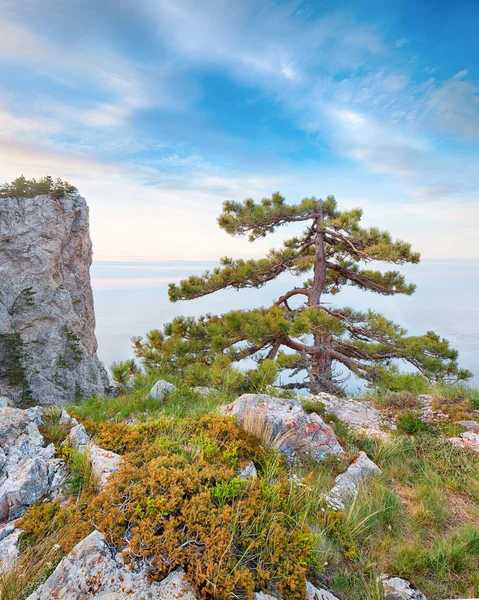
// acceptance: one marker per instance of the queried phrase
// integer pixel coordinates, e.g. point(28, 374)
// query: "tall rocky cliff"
point(47, 321)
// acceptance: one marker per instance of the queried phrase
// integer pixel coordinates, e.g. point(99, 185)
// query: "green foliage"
point(23, 300)
point(13, 357)
point(29, 188)
point(52, 430)
point(394, 381)
point(74, 352)
point(314, 406)
point(122, 373)
point(311, 337)
point(410, 423)
point(81, 477)
point(226, 490)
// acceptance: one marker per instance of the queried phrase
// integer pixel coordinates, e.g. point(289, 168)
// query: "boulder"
point(4, 402)
point(313, 593)
point(358, 414)
point(28, 469)
point(8, 546)
point(396, 588)
point(94, 569)
point(468, 439)
point(103, 463)
point(46, 302)
point(284, 424)
point(348, 482)
point(161, 390)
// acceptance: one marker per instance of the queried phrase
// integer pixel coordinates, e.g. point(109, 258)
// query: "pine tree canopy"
point(321, 340)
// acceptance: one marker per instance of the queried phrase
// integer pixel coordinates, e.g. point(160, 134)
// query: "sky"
point(159, 110)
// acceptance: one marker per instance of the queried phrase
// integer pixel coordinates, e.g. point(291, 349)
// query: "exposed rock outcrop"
point(47, 339)
point(347, 483)
point(396, 588)
point(295, 433)
point(94, 569)
point(28, 469)
point(358, 414)
point(103, 462)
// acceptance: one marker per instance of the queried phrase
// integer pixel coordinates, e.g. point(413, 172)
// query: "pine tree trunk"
point(321, 372)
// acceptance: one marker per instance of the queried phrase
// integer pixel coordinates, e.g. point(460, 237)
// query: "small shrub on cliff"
point(29, 188)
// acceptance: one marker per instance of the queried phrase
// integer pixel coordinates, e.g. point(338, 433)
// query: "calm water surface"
point(131, 298)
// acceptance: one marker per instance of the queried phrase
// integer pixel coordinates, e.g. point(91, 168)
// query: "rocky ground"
point(371, 488)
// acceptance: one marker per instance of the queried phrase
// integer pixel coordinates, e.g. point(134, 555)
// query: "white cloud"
point(454, 106)
point(379, 147)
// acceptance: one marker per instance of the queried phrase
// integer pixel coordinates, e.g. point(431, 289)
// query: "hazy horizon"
point(131, 298)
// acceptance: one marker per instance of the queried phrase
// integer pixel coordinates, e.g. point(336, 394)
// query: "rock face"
point(396, 588)
point(47, 320)
point(28, 470)
point(92, 569)
point(295, 433)
point(347, 483)
point(359, 415)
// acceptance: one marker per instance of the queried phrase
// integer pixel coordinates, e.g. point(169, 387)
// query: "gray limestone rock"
point(313, 593)
point(358, 414)
point(103, 463)
point(46, 298)
point(396, 588)
point(295, 433)
point(161, 390)
point(347, 483)
point(470, 425)
point(93, 568)
point(28, 469)
point(4, 402)
point(248, 472)
point(8, 546)
point(78, 437)
point(65, 419)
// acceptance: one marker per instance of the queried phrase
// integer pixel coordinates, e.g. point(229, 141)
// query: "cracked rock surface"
point(296, 433)
point(45, 248)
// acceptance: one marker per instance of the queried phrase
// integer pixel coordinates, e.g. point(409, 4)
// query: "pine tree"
point(335, 251)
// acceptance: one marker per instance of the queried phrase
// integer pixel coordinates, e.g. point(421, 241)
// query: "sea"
point(131, 298)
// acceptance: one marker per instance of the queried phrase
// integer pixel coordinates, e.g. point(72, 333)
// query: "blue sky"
point(158, 110)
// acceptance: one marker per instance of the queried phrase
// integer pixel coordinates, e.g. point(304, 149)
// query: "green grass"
point(181, 403)
point(52, 430)
point(418, 521)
